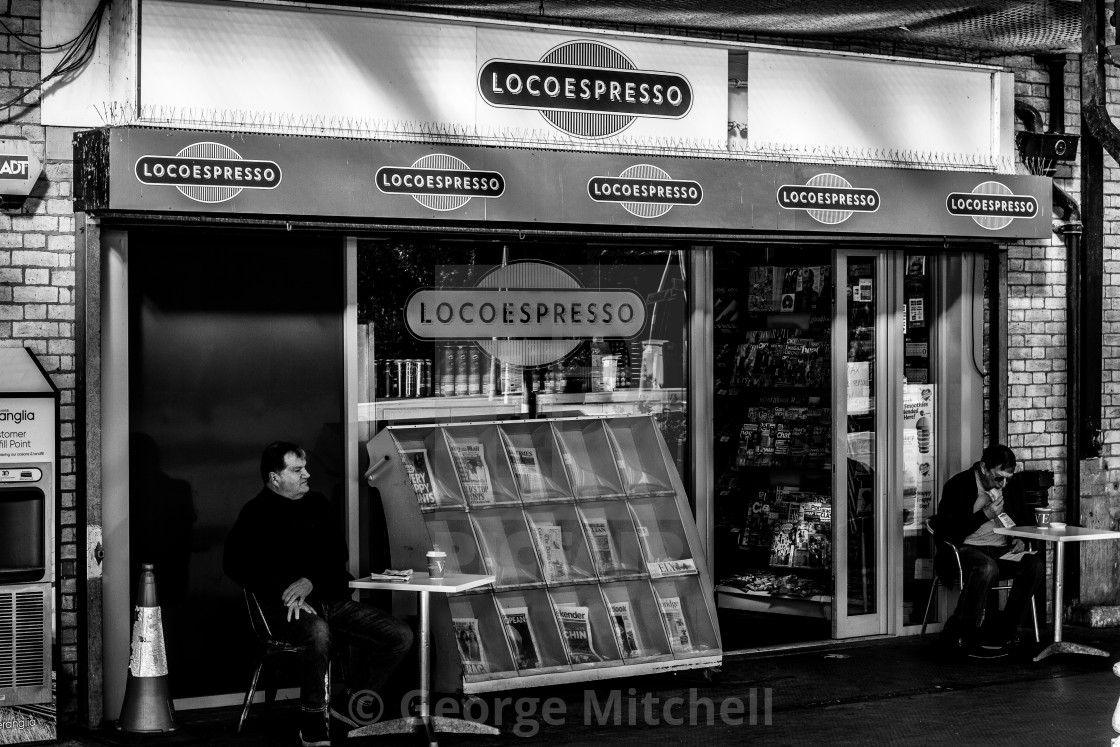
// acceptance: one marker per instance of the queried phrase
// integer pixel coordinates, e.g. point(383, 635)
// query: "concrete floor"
point(896, 691)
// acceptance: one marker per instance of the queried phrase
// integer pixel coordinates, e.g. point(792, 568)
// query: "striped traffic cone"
point(147, 696)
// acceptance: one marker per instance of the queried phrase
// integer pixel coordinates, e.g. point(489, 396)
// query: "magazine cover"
point(679, 639)
point(527, 471)
point(416, 464)
point(470, 645)
point(577, 634)
point(470, 463)
point(602, 544)
point(550, 542)
point(623, 621)
point(520, 636)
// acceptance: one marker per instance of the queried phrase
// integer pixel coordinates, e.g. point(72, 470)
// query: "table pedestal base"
point(1065, 647)
point(430, 726)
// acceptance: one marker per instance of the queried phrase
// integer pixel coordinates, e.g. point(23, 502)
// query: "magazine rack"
point(585, 525)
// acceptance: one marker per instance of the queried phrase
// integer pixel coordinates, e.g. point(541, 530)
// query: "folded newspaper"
point(390, 575)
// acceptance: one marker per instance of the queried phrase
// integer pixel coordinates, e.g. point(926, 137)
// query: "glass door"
point(865, 294)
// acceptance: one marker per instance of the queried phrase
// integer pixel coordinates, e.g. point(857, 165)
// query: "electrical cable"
point(79, 52)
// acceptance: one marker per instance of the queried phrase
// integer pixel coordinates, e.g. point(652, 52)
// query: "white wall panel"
point(866, 104)
point(211, 57)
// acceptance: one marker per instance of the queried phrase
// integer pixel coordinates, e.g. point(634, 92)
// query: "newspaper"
point(470, 463)
point(663, 568)
point(520, 636)
point(470, 645)
point(416, 464)
point(623, 621)
point(527, 471)
point(672, 612)
point(577, 634)
point(602, 544)
point(550, 542)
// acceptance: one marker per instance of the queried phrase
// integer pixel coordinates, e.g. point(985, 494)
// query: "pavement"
point(872, 692)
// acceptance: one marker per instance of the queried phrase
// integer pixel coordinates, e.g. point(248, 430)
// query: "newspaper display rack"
point(585, 525)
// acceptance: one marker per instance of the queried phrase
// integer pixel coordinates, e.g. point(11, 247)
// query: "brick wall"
point(37, 291)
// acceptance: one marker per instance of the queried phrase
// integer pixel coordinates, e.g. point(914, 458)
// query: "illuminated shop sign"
point(645, 191)
point(585, 88)
point(208, 172)
point(525, 313)
point(440, 182)
point(992, 205)
point(828, 198)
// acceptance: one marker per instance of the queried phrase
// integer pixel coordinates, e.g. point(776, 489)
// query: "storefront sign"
point(523, 188)
point(992, 205)
point(645, 191)
point(587, 77)
point(525, 313)
point(208, 172)
point(440, 182)
point(828, 199)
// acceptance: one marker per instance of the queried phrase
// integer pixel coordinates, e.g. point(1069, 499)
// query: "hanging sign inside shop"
point(828, 199)
point(208, 172)
point(440, 182)
point(992, 205)
point(585, 88)
point(525, 313)
point(645, 191)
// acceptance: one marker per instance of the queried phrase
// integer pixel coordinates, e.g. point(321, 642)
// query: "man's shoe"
point(313, 731)
point(989, 651)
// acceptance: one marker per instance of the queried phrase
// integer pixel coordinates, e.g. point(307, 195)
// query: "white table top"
point(451, 583)
point(1065, 534)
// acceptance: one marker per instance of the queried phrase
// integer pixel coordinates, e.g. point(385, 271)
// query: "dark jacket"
point(955, 518)
point(276, 541)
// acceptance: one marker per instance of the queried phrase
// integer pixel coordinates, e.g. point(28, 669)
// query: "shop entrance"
point(834, 391)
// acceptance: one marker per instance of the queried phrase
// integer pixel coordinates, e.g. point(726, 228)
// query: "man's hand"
point(295, 596)
point(995, 507)
point(1018, 545)
point(295, 609)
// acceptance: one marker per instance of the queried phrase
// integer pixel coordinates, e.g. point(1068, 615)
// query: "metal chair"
point(943, 545)
point(272, 646)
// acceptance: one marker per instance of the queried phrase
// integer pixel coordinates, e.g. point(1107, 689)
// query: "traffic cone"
point(147, 698)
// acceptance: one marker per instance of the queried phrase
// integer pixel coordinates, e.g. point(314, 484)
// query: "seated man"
point(287, 548)
point(967, 516)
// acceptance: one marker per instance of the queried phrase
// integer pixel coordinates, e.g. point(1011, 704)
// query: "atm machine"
point(29, 450)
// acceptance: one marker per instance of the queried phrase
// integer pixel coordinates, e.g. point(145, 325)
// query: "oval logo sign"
point(208, 172)
point(585, 88)
point(645, 191)
point(828, 198)
point(440, 182)
point(992, 205)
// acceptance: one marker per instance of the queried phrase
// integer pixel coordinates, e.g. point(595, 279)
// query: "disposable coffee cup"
point(437, 561)
point(1042, 516)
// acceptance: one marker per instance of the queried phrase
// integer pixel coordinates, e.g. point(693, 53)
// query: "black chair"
point(947, 547)
point(272, 647)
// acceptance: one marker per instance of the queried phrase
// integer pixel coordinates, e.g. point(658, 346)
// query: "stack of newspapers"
point(390, 575)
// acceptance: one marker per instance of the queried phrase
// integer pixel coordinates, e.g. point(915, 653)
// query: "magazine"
point(602, 544)
point(577, 634)
point(527, 471)
point(416, 464)
point(623, 621)
point(470, 463)
point(470, 645)
point(520, 636)
point(550, 542)
point(672, 612)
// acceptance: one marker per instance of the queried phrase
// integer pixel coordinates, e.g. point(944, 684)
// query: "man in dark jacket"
point(969, 511)
point(287, 549)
